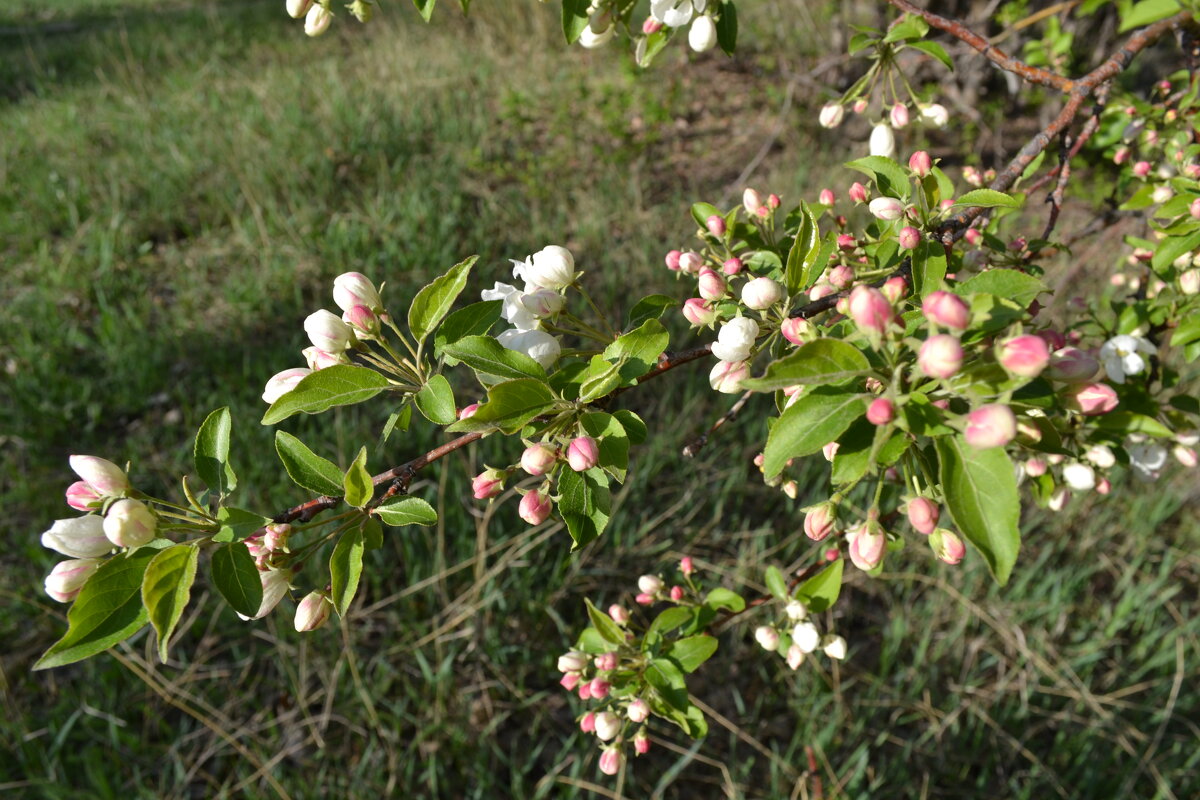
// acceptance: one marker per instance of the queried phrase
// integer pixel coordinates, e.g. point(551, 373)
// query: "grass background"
point(179, 184)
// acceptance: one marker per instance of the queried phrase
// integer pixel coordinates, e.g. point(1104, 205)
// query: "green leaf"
point(728, 599)
point(307, 469)
point(473, 320)
point(211, 452)
point(166, 589)
point(692, 651)
point(890, 177)
point(396, 421)
point(727, 28)
point(611, 440)
point(357, 484)
point(821, 362)
point(433, 302)
point(980, 489)
point(574, 19)
point(633, 425)
point(436, 401)
point(637, 352)
point(425, 8)
point(237, 523)
point(601, 377)
point(702, 211)
point(909, 27)
point(928, 267)
point(585, 504)
point(1170, 249)
point(821, 590)
point(776, 584)
point(108, 610)
point(237, 579)
point(651, 307)
point(1187, 332)
point(486, 355)
point(345, 569)
point(1146, 12)
point(605, 625)
point(1008, 284)
point(669, 620)
point(401, 511)
point(1126, 422)
point(509, 407)
point(667, 679)
point(340, 385)
point(816, 419)
point(372, 534)
point(987, 198)
point(936, 50)
point(803, 255)
point(590, 641)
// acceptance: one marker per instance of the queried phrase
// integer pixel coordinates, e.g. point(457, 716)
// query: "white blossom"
point(1079, 477)
point(735, 339)
point(1147, 459)
point(1122, 356)
point(538, 345)
point(676, 13)
point(883, 141)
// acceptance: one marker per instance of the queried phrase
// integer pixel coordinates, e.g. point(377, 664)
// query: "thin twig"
point(693, 447)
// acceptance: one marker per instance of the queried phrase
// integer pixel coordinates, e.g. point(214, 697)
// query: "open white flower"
point(1147, 459)
point(514, 310)
point(538, 345)
point(735, 339)
point(1079, 477)
point(676, 13)
point(1121, 356)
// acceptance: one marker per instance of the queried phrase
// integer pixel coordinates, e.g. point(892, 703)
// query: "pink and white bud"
point(82, 497)
point(867, 544)
point(1121, 156)
point(538, 459)
point(638, 711)
point(795, 657)
point(651, 585)
point(466, 412)
point(651, 26)
point(831, 115)
point(834, 647)
point(355, 289)
point(860, 105)
point(940, 356)
point(992, 425)
point(846, 243)
point(935, 114)
point(363, 320)
point(886, 208)
point(882, 141)
point(898, 116)
point(711, 284)
point(1184, 455)
point(605, 662)
point(611, 760)
point(535, 508)
point(488, 483)
point(1079, 477)
point(882, 411)
point(1036, 467)
point(1189, 281)
point(129, 523)
point(686, 566)
point(283, 382)
point(608, 725)
point(1091, 399)
point(79, 537)
point(275, 537)
point(947, 310)
point(727, 376)
point(543, 303)
point(1194, 208)
point(641, 743)
point(732, 266)
point(806, 637)
point(822, 289)
point(569, 681)
point(572, 661)
point(715, 225)
point(972, 176)
point(644, 599)
point(319, 359)
point(298, 8)
point(619, 613)
point(275, 584)
point(1141, 169)
point(870, 310)
point(327, 332)
point(894, 289)
point(761, 293)
point(826, 197)
point(947, 546)
point(599, 689)
point(923, 514)
point(67, 578)
point(698, 313)
point(312, 612)
point(1025, 355)
point(920, 163)
point(774, 201)
point(672, 260)
point(797, 330)
point(691, 262)
point(587, 723)
point(583, 453)
point(819, 521)
point(1072, 365)
point(585, 690)
point(830, 451)
point(795, 610)
point(317, 20)
point(857, 192)
point(1161, 194)
point(908, 238)
point(973, 236)
point(841, 276)
point(101, 474)
point(751, 201)
point(767, 637)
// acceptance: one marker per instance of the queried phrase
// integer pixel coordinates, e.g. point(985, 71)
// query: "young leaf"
point(804, 250)
point(237, 523)
point(928, 268)
point(340, 385)
point(651, 307)
point(667, 680)
point(436, 401)
point(936, 50)
point(821, 590)
point(574, 19)
point(980, 488)
point(725, 598)
point(211, 453)
point(637, 351)
point(776, 584)
point(433, 302)
point(357, 483)
point(166, 589)
point(824, 361)
point(890, 177)
point(1009, 284)
point(692, 651)
point(509, 407)
point(817, 418)
point(425, 8)
point(372, 534)
point(487, 356)
point(727, 28)
point(108, 610)
point(345, 569)
point(473, 320)
point(237, 579)
point(605, 625)
point(307, 469)
point(406, 511)
point(586, 504)
point(987, 198)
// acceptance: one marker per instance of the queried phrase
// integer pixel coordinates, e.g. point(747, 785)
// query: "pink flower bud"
point(1141, 169)
point(312, 612)
point(857, 192)
point(1103, 486)
point(363, 320)
point(651, 584)
point(644, 599)
point(831, 115)
point(605, 662)
point(1054, 339)
point(971, 175)
point(920, 163)
point(355, 289)
point(129, 523)
point(860, 105)
point(899, 115)
point(619, 614)
point(468, 411)
point(1121, 155)
point(867, 544)
point(826, 197)
point(727, 376)
point(1091, 399)
point(82, 497)
point(317, 358)
point(1025, 355)
point(761, 293)
point(941, 356)
point(569, 681)
point(797, 330)
point(80, 537)
point(795, 657)
point(1036, 467)
point(751, 201)
point(947, 310)
point(327, 332)
point(275, 584)
point(1072, 365)
point(846, 243)
point(690, 262)
point(641, 743)
point(67, 578)
point(923, 514)
point(819, 521)
point(841, 276)
point(535, 508)
point(283, 382)
point(1189, 281)
point(275, 536)
point(599, 689)
point(611, 760)
point(894, 289)
point(908, 238)
point(651, 26)
point(973, 236)
point(992, 425)
point(732, 266)
point(672, 260)
point(572, 661)
point(881, 411)
point(538, 459)
point(638, 711)
point(711, 284)
point(104, 476)
point(585, 690)
point(767, 637)
point(676, 593)
point(715, 225)
point(587, 723)
point(488, 483)
point(774, 201)
point(686, 566)
point(1194, 208)
point(886, 208)
point(1184, 455)
point(830, 450)
point(947, 546)
point(870, 310)
point(697, 312)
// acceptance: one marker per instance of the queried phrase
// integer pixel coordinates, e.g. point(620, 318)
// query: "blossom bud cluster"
point(796, 636)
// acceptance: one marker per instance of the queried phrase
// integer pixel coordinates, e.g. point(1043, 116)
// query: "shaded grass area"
point(180, 189)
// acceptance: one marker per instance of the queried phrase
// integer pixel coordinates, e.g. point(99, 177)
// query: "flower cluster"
point(546, 275)
point(795, 636)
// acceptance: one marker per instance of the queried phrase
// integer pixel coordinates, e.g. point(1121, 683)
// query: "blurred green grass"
point(177, 190)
